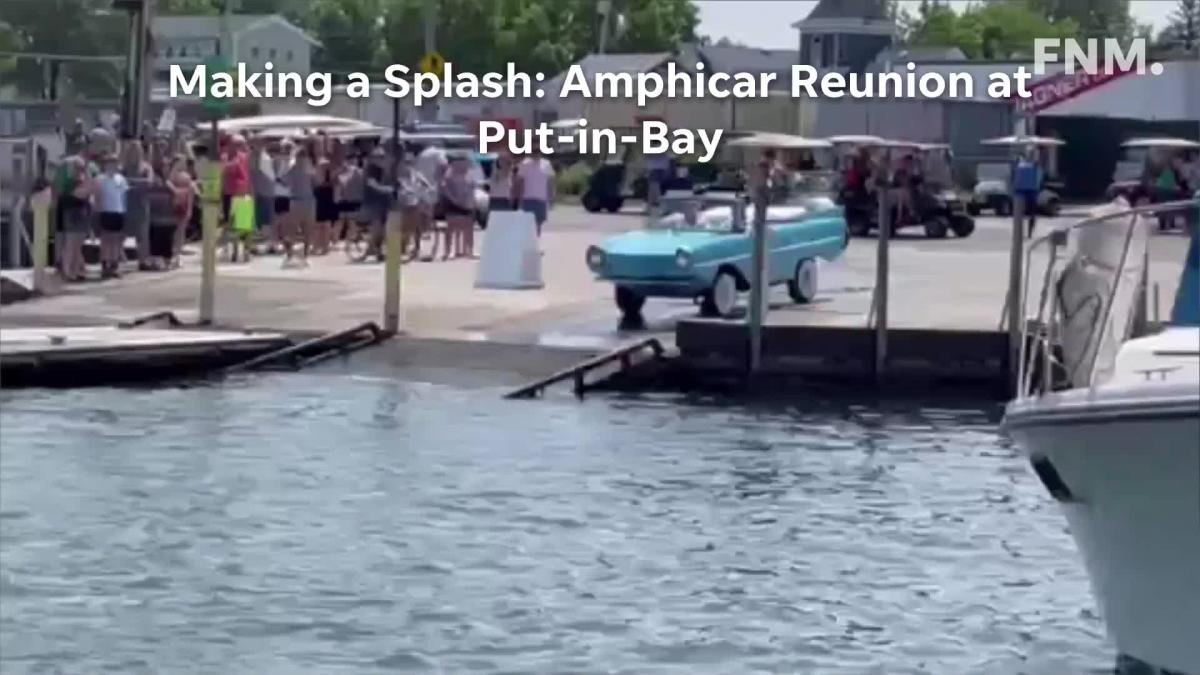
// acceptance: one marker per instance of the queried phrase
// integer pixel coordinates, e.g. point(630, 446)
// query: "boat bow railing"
point(1042, 332)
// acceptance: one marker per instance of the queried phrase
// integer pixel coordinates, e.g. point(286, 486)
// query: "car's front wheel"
point(803, 284)
point(721, 299)
point(629, 301)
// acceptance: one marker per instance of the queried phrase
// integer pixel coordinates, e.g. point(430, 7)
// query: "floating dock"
point(975, 359)
point(111, 354)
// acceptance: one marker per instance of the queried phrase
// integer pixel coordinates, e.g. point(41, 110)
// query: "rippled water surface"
point(331, 524)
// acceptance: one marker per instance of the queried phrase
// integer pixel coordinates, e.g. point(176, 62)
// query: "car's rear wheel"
point(803, 284)
point(858, 225)
point(721, 299)
point(592, 202)
point(962, 226)
point(937, 227)
point(629, 301)
point(614, 205)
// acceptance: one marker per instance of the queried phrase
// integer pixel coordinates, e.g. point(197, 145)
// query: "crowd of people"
point(297, 197)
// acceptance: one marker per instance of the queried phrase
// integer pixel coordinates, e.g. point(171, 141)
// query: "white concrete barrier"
point(510, 258)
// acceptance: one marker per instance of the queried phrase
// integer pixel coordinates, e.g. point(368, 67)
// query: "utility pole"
point(137, 80)
point(604, 9)
point(211, 173)
point(430, 16)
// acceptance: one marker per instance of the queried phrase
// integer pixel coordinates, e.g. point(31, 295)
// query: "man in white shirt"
point(432, 164)
point(535, 186)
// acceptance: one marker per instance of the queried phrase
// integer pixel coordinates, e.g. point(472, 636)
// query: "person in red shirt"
point(235, 185)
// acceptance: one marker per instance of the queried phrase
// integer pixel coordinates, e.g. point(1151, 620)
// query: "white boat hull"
point(1130, 486)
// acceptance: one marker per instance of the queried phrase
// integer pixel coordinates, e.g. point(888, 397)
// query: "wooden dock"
point(110, 354)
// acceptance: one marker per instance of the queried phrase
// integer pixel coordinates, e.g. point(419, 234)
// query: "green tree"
point(40, 27)
point(9, 42)
point(536, 35)
point(994, 30)
point(349, 32)
point(1095, 18)
point(1183, 31)
point(655, 25)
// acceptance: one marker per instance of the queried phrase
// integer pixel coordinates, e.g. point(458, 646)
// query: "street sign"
point(213, 65)
point(433, 63)
point(1050, 91)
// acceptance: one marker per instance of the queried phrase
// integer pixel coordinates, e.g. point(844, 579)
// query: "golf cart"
point(992, 191)
point(936, 206)
point(1136, 178)
point(606, 188)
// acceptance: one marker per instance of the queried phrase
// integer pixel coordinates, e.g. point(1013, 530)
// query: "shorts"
point(112, 223)
point(162, 240)
point(282, 205)
point(500, 204)
point(452, 209)
point(264, 211)
point(77, 217)
point(226, 201)
point(537, 207)
point(242, 215)
point(345, 207)
point(304, 210)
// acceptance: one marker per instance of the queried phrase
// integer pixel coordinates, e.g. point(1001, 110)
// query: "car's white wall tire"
point(803, 284)
point(721, 299)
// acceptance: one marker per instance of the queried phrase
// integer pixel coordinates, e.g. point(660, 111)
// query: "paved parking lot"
point(952, 282)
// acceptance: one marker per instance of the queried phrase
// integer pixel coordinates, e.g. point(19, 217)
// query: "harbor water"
point(338, 524)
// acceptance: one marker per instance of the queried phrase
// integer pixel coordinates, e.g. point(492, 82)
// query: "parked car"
point(702, 250)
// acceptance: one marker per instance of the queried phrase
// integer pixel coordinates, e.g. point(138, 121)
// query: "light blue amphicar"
point(702, 250)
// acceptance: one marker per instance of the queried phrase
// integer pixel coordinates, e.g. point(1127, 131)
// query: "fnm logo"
point(1092, 57)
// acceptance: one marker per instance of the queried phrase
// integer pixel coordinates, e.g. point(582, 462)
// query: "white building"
point(253, 39)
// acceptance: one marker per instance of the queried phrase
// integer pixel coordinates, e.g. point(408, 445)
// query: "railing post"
point(391, 275)
point(883, 270)
point(1015, 300)
point(758, 285)
point(40, 205)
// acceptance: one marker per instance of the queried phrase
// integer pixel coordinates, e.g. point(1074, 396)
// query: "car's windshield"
point(695, 214)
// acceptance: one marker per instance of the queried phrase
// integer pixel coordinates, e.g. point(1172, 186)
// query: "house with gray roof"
point(845, 34)
point(739, 59)
point(254, 39)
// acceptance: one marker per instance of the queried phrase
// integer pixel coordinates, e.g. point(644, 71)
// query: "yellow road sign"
point(433, 63)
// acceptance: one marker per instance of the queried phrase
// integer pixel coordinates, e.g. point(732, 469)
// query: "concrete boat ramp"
point(946, 303)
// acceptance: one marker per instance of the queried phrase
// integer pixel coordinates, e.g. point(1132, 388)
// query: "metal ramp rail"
point(578, 373)
point(316, 350)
